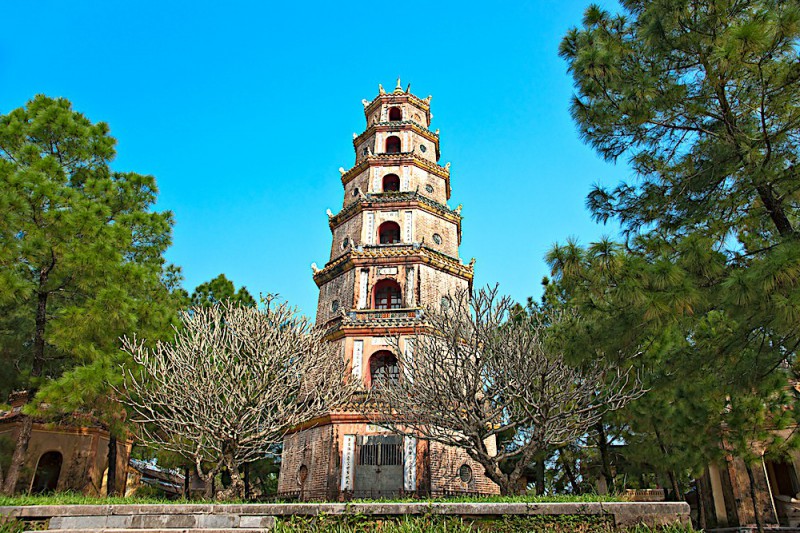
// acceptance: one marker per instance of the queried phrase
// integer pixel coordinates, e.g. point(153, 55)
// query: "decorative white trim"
point(410, 277)
point(408, 355)
point(358, 356)
point(370, 228)
point(409, 463)
point(409, 221)
point(362, 288)
point(404, 180)
point(348, 456)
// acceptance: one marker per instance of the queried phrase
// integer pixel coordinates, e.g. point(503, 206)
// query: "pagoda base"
point(342, 456)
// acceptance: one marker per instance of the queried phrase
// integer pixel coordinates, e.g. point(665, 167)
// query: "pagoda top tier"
point(412, 107)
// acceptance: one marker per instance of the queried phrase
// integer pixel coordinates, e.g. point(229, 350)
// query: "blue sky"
point(244, 111)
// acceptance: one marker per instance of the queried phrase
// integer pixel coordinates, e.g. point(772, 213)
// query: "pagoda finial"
point(408, 88)
point(380, 89)
point(399, 88)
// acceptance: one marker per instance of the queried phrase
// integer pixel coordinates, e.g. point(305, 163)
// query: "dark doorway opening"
point(47, 472)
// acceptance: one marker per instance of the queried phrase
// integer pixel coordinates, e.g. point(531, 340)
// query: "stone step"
point(172, 522)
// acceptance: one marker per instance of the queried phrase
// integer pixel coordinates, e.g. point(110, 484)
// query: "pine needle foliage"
point(703, 99)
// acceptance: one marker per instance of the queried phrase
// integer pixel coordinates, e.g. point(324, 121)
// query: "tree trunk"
point(701, 503)
point(568, 471)
point(246, 481)
point(187, 473)
point(775, 211)
point(207, 477)
point(754, 498)
point(111, 477)
point(236, 489)
point(602, 445)
point(676, 490)
point(37, 367)
point(539, 465)
point(18, 459)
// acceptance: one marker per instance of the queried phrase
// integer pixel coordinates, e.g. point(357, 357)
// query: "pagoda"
point(394, 254)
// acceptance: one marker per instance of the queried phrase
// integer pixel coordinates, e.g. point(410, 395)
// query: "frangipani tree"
point(480, 370)
point(231, 384)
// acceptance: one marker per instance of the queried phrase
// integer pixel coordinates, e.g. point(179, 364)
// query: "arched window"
point(393, 145)
point(383, 368)
point(389, 233)
point(387, 295)
point(391, 183)
point(395, 113)
point(47, 473)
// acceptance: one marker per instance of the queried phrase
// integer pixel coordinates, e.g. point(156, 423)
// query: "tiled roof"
point(419, 251)
point(388, 198)
point(402, 157)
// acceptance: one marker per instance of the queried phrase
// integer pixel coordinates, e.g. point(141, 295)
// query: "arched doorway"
point(383, 368)
point(393, 145)
point(387, 295)
point(47, 473)
point(389, 233)
point(391, 183)
point(395, 114)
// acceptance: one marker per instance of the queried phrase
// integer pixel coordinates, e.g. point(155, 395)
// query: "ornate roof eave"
point(395, 200)
point(339, 329)
point(392, 254)
point(402, 125)
point(422, 103)
point(377, 160)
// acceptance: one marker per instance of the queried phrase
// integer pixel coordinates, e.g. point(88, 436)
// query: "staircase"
point(201, 518)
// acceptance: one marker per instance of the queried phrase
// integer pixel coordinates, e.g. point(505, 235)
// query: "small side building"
point(63, 457)
point(725, 490)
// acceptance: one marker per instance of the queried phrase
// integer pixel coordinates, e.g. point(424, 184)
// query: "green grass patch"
point(71, 498)
point(433, 524)
point(526, 498)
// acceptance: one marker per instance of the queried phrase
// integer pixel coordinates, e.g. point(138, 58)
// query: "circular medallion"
point(345, 242)
point(465, 473)
point(437, 238)
point(429, 188)
point(423, 148)
point(335, 305)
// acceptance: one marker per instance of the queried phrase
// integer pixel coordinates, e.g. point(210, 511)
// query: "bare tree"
point(231, 384)
point(479, 376)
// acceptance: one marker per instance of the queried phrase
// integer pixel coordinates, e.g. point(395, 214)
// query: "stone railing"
point(371, 315)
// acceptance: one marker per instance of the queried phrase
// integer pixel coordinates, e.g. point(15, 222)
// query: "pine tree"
point(81, 251)
point(219, 290)
point(702, 98)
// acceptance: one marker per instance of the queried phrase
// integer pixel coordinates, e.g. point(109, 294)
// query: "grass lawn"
point(71, 498)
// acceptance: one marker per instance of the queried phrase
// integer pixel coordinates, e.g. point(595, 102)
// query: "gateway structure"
point(394, 253)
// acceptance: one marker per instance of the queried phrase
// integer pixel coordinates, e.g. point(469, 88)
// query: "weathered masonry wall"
point(233, 516)
point(312, 449)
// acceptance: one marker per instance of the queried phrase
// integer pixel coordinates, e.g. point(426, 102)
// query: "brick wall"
point(434, 284)
point(311, 448)
point(340, 288)
point(445, 465)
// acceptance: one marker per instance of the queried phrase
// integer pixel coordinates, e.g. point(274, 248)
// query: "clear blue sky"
point(244, 111)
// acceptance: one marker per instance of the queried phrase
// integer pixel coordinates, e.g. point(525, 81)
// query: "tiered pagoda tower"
point(394, 253)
